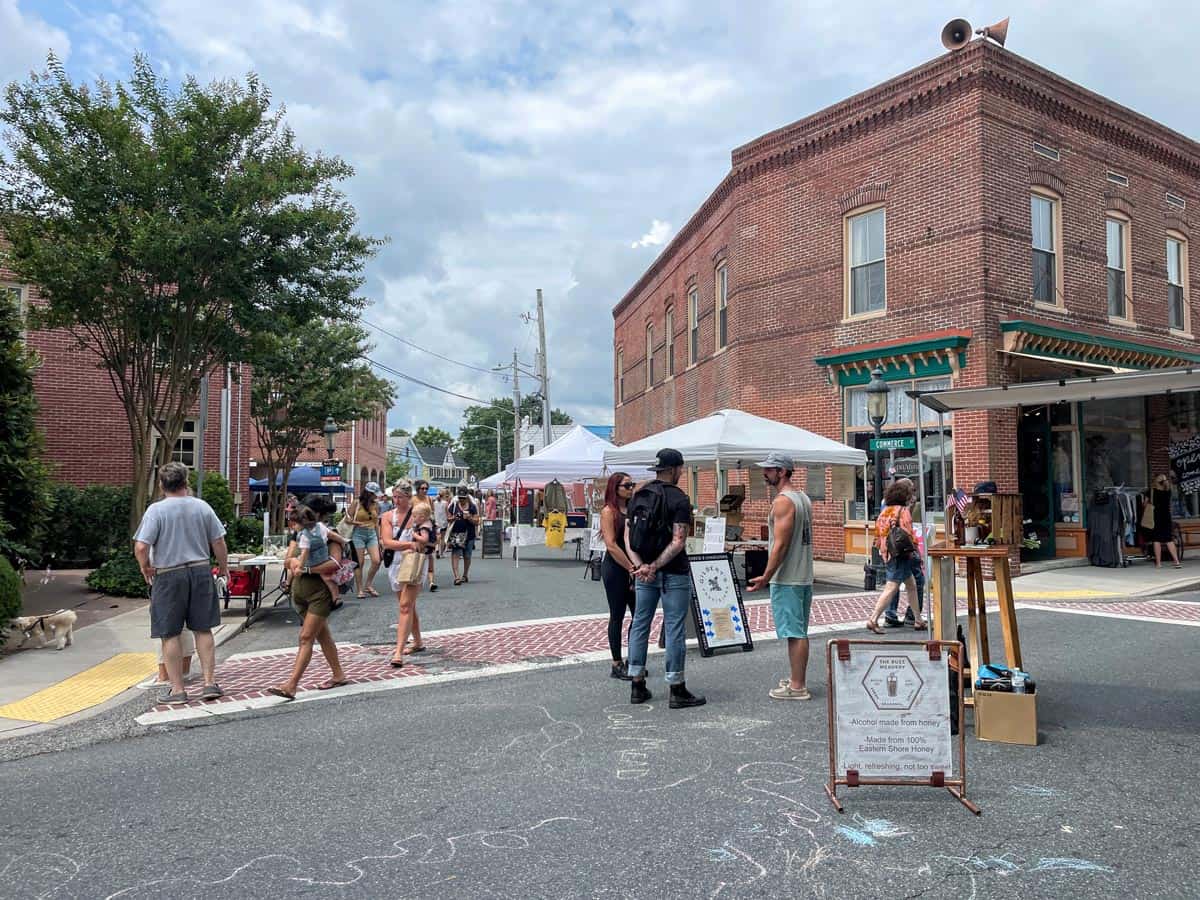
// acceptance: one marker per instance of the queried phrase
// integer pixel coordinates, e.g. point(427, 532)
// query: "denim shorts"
point(364, 537)
point(900, 570)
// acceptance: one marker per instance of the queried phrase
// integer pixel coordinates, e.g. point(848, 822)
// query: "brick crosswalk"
point(465, 651)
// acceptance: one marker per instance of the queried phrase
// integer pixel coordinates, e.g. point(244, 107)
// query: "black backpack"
point(649, 532)
point(899, 542)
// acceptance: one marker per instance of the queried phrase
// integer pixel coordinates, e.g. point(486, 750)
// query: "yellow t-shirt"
point(556, 529)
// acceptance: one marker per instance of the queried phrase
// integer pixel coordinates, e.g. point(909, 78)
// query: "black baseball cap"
point(667, 459)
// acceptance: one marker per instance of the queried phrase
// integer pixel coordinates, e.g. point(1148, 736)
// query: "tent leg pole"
point(921, 490)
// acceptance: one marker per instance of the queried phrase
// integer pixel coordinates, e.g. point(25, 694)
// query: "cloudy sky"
point(507, 146)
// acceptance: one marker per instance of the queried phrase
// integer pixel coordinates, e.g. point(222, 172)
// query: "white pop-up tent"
point(576, 456)
point(733, 439)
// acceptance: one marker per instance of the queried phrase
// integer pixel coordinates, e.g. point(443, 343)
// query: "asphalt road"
point(549, 784)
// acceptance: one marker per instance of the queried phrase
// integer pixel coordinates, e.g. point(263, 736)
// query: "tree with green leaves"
point(397, 468)
point(429, 436)
point(398, 432)
point(477, 438)
point(301, 377)
point(165, 227)
point(24, 481)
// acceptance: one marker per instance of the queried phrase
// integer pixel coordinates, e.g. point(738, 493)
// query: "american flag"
point(960, 500)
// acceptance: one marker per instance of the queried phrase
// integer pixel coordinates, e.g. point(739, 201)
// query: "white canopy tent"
point(578, 455)
point(493, 481)
point(735, 439)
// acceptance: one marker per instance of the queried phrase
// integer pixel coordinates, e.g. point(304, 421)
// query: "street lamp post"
point(877, 407)
point(330, 430)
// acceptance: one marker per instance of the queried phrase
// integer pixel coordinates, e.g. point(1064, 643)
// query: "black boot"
point(621, 671)
point(638, 692)
point(682, 698)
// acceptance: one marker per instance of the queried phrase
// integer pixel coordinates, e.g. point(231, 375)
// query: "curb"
point(222, 635)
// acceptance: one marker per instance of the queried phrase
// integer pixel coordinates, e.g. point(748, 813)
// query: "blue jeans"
point(676, 594)
point(918, 573)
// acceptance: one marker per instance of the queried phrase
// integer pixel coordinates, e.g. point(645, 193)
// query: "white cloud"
point(25, 39)
point(655, 237)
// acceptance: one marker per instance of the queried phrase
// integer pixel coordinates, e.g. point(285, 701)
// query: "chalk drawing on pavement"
point(42, 874)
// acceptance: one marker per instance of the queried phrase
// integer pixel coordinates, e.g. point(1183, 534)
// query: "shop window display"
point(1183, 424)
point(1114, 441)
point(901, 423)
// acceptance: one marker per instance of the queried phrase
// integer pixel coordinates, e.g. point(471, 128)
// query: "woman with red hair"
point(617, 568)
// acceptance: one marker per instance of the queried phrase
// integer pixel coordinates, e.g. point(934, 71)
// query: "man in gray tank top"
point(789, 572)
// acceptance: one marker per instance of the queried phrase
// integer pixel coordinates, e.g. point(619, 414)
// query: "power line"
point(434, 387)
point(416, 346)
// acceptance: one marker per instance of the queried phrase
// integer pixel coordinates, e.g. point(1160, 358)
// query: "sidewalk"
point(1139, 579)
point(44, 688)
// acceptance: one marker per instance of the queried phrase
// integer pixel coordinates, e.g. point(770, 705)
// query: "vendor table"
point(943, 597)
point(533, 536)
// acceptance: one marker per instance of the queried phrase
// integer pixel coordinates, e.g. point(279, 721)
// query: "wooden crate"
point(1003, 512)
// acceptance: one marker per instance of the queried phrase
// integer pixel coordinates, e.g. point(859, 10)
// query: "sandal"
point(396, 663)
point(921, 626)
point(360, 596)
point(874, 626)
point(371, 592)
point(280, 692)
point(457, 582)
point(412, 650)
point(330, 684)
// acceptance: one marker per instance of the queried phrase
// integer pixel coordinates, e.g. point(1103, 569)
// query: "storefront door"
point(1035, 480)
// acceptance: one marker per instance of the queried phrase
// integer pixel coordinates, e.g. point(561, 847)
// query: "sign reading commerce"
point(896, 443)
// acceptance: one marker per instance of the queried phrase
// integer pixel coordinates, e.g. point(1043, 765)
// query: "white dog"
point(40, 631)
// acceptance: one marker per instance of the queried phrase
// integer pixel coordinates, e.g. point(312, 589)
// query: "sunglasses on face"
point(628, 485)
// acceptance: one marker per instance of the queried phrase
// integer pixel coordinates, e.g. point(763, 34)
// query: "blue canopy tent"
point(302, 480)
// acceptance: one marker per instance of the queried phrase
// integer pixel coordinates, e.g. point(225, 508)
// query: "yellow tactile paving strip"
point(89, 687)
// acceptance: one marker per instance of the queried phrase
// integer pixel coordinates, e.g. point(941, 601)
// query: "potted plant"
point(972, 518)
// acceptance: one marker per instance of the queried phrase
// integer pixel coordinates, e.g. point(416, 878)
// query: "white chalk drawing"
point(38, 875)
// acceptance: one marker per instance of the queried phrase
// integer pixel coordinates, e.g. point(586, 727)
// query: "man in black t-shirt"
point(667, 576)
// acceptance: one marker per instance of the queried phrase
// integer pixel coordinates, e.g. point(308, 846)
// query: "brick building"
point(361, 446)
point(976, 221)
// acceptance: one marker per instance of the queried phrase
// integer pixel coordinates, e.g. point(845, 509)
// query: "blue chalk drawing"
point(880, 828)
point(1069, 863)
point(855, 836)
point(719, 855)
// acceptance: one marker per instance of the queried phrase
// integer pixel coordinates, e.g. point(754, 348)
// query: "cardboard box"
point(1009, 718)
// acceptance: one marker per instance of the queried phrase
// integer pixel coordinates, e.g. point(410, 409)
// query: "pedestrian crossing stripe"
point(86, 689)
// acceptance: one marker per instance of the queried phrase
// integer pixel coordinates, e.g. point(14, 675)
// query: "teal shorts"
point(790, 606)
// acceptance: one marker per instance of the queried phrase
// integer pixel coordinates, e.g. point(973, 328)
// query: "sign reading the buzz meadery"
point(893, 712)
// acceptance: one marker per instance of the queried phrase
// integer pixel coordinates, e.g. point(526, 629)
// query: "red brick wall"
point(367, 447)
point(83, 423)
point(947, 149)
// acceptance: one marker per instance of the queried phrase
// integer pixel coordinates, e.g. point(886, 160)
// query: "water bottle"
point(1018, 681)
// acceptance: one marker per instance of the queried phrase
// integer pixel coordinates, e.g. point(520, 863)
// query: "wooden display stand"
point(943, 596)
point(1011, 718)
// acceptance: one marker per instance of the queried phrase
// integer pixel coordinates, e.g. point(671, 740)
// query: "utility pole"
point(499, 467)
point(516, 408)
point(547, 433)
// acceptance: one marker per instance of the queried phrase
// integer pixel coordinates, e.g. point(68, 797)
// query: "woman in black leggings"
point(617, 568)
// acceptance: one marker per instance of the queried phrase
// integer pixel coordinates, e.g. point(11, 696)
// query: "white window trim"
point(848, 315)
point(1128, 319)
point(649, 356)
point(1057, 230)
point(669, 355)
point(1184, 277)
point(718, 297)
point(693, 312)
point(620, 376)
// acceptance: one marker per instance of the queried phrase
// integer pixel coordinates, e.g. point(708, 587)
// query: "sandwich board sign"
point(717, 608)
point(890, 715)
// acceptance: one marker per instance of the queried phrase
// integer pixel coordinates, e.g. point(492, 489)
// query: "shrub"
point(120, 576)
point(244, 535)
point(87, 525)
point(24, 479)
point(10, 593)
point(216, 494)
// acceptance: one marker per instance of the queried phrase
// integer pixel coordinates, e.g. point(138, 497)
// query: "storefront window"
point(1114, 439)
point(901, 463)
point(1183, 424)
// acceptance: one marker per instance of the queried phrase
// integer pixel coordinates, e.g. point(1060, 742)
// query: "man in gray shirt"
point(789, 572)
point(172, 547)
